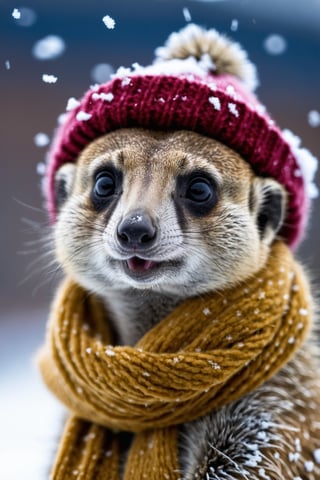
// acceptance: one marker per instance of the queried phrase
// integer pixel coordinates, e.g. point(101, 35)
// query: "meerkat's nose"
point(136, 230)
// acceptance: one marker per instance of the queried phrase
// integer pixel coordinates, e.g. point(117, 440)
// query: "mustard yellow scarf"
point(209, 351)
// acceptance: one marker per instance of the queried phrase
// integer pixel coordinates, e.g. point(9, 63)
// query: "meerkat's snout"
point(164, 211)
point(136, 233)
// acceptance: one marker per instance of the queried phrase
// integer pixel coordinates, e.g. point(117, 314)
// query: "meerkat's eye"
point(199, 190)
point(106, 188)
point(105, 184)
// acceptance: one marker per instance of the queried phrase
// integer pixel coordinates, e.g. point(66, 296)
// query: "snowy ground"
point(30, 417)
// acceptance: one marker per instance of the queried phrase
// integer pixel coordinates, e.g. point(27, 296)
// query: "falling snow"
point(41, 139)
point(27, 17)
point(7, 64)
point(62, 118)
point(234, 25)
point(16, 13)
point(48, 48)
point(275, 44)
point(314, 118)
point(109, 22)
point(41, 168)
point(102, 72)
point(49, 78)
point(186, 14)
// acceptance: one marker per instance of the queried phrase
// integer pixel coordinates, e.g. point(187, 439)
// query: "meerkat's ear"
point(63, 183)
point(269, 200)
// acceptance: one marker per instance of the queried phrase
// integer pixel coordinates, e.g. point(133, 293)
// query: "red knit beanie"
point(203, 82)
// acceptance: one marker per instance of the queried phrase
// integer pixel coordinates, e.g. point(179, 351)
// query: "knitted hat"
point(199, 81)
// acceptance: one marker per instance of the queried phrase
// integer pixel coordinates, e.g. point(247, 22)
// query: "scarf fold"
point(210, 351)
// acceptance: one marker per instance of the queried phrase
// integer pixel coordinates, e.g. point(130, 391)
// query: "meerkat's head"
point(171, 211)
point(173, 176)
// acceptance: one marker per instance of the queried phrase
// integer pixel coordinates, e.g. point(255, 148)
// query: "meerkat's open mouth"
point(139, 265)
point(142, 270)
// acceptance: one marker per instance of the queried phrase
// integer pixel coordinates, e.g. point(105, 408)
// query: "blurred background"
point(69, 40)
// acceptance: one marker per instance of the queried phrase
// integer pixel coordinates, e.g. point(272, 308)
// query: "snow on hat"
point(199, 81)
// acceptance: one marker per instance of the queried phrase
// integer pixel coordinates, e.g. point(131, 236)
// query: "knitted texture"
point(190, 92)
point(208, 352)
point(167, 102)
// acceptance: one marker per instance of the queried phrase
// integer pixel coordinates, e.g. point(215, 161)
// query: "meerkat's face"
point(171, 211)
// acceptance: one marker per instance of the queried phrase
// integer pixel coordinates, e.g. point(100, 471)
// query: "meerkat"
point(166, 214)
point(146, 218)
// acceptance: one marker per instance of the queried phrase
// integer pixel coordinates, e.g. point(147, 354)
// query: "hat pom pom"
point(215, 52)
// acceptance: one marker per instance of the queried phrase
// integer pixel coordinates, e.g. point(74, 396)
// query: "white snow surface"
point(31, 418)
point(48, 48)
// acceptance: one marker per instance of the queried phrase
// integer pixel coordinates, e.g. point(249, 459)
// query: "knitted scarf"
point(209, 351)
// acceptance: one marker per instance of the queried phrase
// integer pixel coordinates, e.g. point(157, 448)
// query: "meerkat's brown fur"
point(271, 433)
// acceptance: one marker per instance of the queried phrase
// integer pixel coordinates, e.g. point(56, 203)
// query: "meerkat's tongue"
point(137, 264)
